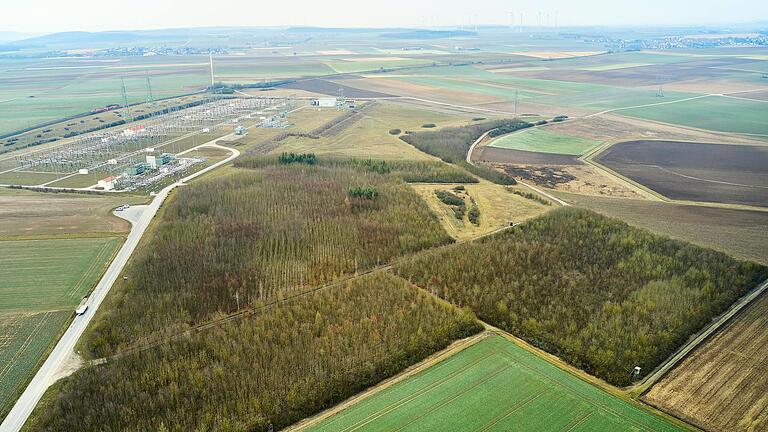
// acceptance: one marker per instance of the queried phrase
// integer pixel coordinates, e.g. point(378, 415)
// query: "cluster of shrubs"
point(452, 144)
point(372, 165)
point(509, 127)
point(366, 192)
point(449, 198)
point(304, 158)
point(530, 196)
point(458, 205)
point(474, 213)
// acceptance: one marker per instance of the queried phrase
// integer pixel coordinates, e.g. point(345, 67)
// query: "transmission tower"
point(125, 99)
point(516, 98)
point(660, 91)
point(341, 100)
point(150, 96)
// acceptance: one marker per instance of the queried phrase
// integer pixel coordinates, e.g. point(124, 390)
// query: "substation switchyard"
point(141, 153)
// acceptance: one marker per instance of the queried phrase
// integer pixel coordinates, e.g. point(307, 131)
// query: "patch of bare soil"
point(581, 179)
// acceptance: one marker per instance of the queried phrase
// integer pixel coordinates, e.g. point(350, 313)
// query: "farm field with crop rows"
point(41, 283)
point(504, 387)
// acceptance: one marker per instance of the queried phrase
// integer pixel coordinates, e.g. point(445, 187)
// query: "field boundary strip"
point(589, 158)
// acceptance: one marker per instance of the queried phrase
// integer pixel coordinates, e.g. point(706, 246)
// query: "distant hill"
point(340, 30)
point(78, 37)
point(429, 34)
point(8, 36)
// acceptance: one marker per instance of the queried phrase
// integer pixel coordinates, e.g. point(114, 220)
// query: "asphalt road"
point(45, 375)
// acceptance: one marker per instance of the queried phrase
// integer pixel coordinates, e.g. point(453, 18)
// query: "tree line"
point(602, 295)
point(274, 368)
point(409, 171)
point(254, 236)
point(452, 145)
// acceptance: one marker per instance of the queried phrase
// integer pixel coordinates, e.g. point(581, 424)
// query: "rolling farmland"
point(24, 339)
point(354, 241)
point(494, 385)
point(50, 274)
point(739, 233)
point(714, 113)
point(694, 171)
point(25, 214)
point(41, 283)
point(541, 140)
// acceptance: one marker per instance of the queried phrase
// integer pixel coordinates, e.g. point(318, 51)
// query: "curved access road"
point(533, 188)
point(45, 376)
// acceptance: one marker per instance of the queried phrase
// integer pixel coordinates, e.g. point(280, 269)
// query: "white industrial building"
point(108, 183)
point(324, 102)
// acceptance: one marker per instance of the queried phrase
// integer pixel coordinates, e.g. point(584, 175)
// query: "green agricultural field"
point(39, 96)
point(504, 387)
point(41, 282)
point(552, 86)
point(613, 66)
point(615, 98)
point(257, 71)
point(362, 65)
point(24, 338)
point(717, 113)
point(50, 274)
point(28, 178)
point(486, 88)
point(543, 141)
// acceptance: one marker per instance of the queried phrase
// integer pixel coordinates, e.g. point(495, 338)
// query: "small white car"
point(81, 310)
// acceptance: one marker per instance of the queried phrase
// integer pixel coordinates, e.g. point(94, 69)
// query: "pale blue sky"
point(63, 15)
